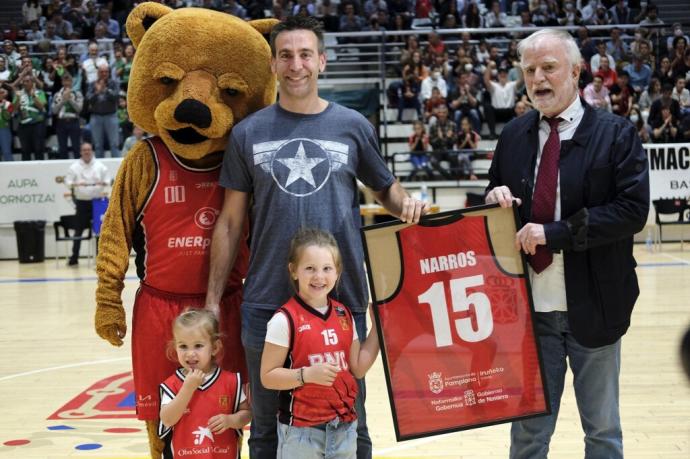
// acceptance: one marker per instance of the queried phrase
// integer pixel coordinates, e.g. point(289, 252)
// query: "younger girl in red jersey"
point(312, 355)
point(203, 406)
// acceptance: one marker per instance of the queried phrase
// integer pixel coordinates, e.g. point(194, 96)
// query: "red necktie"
point(544, 196)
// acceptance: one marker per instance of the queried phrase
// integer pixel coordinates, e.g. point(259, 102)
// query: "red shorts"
point(152, 362)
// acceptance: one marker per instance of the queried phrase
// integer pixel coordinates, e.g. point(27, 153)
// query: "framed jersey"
point(454, 312)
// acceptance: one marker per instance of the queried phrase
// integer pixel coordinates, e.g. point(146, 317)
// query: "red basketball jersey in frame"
point(457, 333)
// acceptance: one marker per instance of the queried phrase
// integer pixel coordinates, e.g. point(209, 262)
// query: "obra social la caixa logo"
point(205, 218)
point(435, 382)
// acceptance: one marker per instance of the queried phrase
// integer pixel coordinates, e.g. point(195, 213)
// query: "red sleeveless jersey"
point(319, 338)
point(457, 332)
point(174, 229)
point(191, 437)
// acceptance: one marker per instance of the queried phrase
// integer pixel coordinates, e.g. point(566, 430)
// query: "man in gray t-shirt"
point(299, 160)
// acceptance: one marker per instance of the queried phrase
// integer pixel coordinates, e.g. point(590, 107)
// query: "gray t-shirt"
point(302, 171)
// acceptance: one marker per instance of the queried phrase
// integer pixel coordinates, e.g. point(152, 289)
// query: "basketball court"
point(64, 392)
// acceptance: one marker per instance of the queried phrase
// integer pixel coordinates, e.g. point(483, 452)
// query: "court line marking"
point(672, 257)
point(31, 280)
point(62, 367)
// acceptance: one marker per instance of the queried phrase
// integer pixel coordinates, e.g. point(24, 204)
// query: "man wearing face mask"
point(434, 80)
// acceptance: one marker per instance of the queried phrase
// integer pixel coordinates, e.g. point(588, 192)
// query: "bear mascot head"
point(195, 74)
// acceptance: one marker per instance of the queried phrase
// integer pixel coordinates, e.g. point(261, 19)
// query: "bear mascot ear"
point(264, 26)
point(142, 17)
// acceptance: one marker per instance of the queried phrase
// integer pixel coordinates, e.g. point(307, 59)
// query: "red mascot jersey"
point(457, 332)
point(319, 338)
point(191, 437)
point(181, 211)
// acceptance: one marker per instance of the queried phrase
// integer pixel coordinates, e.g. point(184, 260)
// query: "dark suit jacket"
point(604, 185)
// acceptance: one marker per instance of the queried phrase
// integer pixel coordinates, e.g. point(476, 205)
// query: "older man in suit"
point(581, 179)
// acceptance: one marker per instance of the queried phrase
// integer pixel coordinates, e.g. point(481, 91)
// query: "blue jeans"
point(596, 372)
point(334, 441)
point(105, 126)
point(6, 144)
point(263, 441)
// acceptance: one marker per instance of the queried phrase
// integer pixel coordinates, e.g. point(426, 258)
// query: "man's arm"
point(226, 236)
point(396, 201)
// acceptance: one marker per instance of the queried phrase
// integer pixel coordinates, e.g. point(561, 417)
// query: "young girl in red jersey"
point(312, 355)
point(203, 406)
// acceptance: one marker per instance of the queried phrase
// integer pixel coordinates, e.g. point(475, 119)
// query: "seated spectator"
point(418, 144)
point(350, 21)
point(432, 103)
point(644, 131)
point(676, 31)
point(423, 8)
point(499, 106)
point(585, 75)
point(472, 19)
point(416, 68)
point(67, 105)
point(91, 64)
point(651, 18)
point(622, 95)
point(620, 13)
point(442, 137)
point(522, 107)
point(617, 47)
point(411, 45)
point(586, 9)
point(684, 129)
point(31, 12)
point(372, 7)
point(461, 165)
point(600, 17)
point(645, 51)
point(543, 16)
point(597, 95)
point(408, 97)
point(35, 33)
point(6, 110)
point(435, 47)
point(682, 95)
point(297, 7)
point(403, 8)
point(31, 103)
point(137, 135)
point(640, 74)
point(464, 102)
point(666, 100)
point(570, 16)
point(665, 128)
point(595, 61)
point(607, 73)
point(112, 27)
point(526, 22)
point(63, 27)
point(6, 75)
point(495, 18)
point(649, 96)
point(678, 67)
point(664, 73)
point(434, 80)
point(11, 54)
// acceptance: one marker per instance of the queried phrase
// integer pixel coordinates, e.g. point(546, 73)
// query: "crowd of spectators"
point(64, 67)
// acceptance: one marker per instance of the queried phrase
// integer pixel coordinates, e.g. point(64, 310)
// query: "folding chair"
point(65, 231)
point(664, 209)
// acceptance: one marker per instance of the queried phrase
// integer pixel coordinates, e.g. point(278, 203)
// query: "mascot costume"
point(195, 74)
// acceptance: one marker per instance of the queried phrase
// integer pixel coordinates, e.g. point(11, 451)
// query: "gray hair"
point(571, 49)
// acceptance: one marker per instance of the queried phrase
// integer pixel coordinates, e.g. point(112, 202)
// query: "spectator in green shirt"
point(31, 103)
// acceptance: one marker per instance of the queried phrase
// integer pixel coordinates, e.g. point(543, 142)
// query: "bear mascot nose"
point(194, 112)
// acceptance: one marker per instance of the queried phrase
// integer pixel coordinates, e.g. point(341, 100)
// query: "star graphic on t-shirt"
point(201, 433)
point(300, 167)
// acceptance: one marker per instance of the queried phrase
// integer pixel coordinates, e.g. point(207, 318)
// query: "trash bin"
point(30, 240)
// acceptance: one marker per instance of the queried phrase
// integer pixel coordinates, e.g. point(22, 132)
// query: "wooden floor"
point(66, 393)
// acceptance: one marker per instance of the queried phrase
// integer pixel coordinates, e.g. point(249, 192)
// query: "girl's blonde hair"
point(196, 317)
point(305, 237)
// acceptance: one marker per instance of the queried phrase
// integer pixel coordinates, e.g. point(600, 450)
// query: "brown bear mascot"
point(195, 74)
